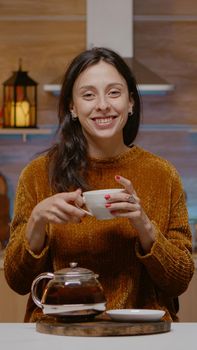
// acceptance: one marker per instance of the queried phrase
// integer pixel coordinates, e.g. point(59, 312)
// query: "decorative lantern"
point(20, 101)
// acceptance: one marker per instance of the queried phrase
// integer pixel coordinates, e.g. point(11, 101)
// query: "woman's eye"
point(88, 95)
point(114, 93)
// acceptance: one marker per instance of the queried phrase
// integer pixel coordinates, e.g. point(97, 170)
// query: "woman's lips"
point(103, 121)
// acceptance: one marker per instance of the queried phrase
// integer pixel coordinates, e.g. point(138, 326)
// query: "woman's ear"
point(72, 108)
point(73, 112)
point(131, 104)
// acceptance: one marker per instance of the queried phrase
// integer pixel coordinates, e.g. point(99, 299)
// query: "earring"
point(73, 116)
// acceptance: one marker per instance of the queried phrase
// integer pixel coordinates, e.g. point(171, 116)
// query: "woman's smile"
point(104, 122)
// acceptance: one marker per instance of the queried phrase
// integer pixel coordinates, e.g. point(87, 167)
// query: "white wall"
point(110, 24)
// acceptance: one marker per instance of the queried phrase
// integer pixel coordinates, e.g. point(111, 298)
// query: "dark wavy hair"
point(69, 156)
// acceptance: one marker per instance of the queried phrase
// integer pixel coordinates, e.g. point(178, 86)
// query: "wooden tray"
point(100, 328)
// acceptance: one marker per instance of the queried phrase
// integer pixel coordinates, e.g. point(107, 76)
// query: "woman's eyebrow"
point(86, 87)
point(93, 87)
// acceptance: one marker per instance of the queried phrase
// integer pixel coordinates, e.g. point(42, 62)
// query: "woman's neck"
point(106, 149)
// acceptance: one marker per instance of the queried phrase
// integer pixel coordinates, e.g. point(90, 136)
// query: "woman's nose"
point(102, 103)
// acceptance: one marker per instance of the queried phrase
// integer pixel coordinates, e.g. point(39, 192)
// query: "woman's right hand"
point(57, 209)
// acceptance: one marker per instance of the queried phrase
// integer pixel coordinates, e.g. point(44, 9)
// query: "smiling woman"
point(142, 252)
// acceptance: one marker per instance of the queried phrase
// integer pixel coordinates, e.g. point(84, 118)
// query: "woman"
point(143, 255)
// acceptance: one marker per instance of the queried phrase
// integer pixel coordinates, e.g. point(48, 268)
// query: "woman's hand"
point(127, 204)
point(57, 209)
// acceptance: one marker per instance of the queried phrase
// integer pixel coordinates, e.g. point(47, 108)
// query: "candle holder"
point(20, 100)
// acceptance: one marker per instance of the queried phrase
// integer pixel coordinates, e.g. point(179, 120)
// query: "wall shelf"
point(51, 129)
point(25, 132)
point(53, 88)
point(168, 127)
point(193, 130)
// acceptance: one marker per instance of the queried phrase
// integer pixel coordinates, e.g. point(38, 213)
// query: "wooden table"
point(20, 336)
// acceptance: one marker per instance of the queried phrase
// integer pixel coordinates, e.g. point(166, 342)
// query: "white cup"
point(95, 202)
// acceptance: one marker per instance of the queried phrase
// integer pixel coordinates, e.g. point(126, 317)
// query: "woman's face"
point(101, 101)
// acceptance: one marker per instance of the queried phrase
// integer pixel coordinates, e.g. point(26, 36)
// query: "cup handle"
point(85, 211)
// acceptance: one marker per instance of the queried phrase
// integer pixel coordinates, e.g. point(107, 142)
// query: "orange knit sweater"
point(111, 247)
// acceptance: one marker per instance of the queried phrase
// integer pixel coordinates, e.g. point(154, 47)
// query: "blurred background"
point(156, 38)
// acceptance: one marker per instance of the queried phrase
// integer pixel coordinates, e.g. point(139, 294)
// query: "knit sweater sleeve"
point(21, 265)
point(170, 262)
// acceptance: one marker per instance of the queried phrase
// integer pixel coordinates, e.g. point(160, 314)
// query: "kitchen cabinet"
point(12, 305)
point(187, 301)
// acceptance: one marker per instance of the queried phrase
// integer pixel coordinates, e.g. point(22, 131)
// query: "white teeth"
point(103, 120)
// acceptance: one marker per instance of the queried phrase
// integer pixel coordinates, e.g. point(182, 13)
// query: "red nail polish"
point(107, 205)
point(113, 212)
point(107, 196)
point(117, 177)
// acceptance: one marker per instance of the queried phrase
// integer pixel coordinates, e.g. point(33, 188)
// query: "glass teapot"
point(71, 291)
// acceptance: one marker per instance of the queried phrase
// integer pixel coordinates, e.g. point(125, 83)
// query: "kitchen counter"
point(21, 336)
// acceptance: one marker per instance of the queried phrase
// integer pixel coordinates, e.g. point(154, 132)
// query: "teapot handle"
point(34, 285)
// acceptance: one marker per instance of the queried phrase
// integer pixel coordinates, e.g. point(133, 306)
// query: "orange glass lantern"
point(20, 101)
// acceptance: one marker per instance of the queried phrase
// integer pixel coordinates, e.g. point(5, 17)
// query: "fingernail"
point(107, 205)
point(113, 212)
point(117, 177)
point(107, 196)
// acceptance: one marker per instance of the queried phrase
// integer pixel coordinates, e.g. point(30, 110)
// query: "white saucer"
point(138, 315)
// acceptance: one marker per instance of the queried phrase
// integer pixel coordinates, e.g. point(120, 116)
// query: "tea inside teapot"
point(71, 291)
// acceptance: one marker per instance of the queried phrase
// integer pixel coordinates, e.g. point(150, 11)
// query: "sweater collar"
point(121, 159)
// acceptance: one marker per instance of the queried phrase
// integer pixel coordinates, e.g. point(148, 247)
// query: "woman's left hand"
point(127, 204)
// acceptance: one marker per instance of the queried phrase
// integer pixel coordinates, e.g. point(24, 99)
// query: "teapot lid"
point(74, 271)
